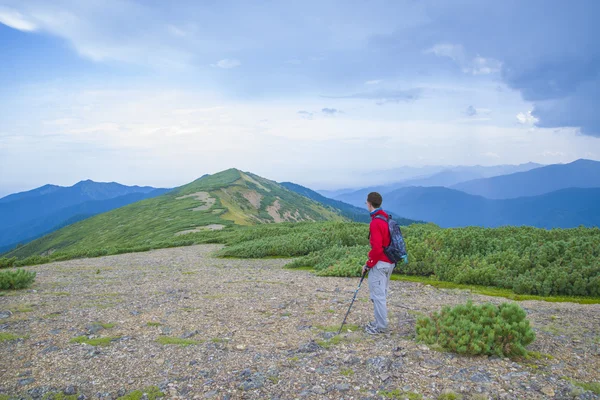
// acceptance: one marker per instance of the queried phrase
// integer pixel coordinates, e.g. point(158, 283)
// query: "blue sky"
point(320, 93)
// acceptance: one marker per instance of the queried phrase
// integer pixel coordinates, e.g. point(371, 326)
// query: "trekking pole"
point(353, 298)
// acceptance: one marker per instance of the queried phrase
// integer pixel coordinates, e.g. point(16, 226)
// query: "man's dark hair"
point(375, 199)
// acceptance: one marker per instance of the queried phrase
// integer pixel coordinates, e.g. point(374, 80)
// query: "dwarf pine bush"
point(16, 279)
point(478, 329)
point(7, 262)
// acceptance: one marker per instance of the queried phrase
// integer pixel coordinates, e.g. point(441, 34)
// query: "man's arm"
point(376, 241)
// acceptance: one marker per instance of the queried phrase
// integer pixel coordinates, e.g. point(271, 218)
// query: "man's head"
point(374, 201)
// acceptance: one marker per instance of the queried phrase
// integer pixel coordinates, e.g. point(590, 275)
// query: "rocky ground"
point(255, 330)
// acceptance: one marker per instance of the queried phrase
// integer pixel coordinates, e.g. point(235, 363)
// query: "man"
point(379, 265)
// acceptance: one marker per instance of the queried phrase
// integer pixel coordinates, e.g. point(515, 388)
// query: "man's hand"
point(365, 269)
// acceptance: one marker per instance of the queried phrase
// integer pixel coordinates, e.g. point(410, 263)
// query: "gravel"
point(255, 331)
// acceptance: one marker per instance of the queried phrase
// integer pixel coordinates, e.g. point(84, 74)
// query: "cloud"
point(16, 20)
point(472, 112)
point(385, 96)
point(453, 51)
point(373, 82)
point(491, 155)
point(549, 153)
point(469, 65)
point(227, 63)
point(330, 111)
point(526, 118)
point(305, 114)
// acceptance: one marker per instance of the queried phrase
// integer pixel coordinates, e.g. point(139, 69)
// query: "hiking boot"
point(373, 330)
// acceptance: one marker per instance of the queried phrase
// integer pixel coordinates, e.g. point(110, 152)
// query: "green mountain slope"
point(211, 202)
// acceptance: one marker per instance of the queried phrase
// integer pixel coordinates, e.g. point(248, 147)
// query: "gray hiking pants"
point(379, 279)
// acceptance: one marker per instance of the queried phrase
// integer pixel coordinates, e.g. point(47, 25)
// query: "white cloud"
point(548, 153)
point(16, 20)
point(374, 82)
point(476, 66)
point(526, 118)
point(227, 63)
point(453, 51)
point(175, 31)
point(483, 66)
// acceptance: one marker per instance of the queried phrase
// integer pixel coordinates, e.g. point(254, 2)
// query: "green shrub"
point(16, 279)
point(7, 262)
point(478, 329)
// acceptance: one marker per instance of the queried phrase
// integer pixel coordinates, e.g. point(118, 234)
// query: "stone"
point(480, 378)
point(328, 335)
point(378, 364)
point(548, 391)
point(70, 390)
point(5, 314)
point(190, 334)
point(27, 381)
point(342, 387)
point(309, 347)
point(93, 329)
point(318, 390)
point(240, 347)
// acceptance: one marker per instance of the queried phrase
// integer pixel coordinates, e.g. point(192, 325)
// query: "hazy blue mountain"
point(41, 202)
point(451, 208)
point(43, 190)
point(447, 177)
point(29, 215)
point(578, 174)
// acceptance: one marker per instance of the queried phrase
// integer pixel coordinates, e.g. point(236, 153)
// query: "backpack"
point(396, 251)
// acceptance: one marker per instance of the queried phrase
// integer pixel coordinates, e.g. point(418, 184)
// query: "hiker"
point(379, 265)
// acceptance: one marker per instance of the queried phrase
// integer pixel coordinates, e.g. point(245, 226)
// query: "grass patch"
point(330, 311)
point(151, 392)
point(450, 395)
point(165, 340)
point(335, 328)
point(219, 340)
point(152, 323)
point(189, 273)
point(105, 341)
point(494, 291)
point(22, 308)
point(347, 371)
point(59, 293)
point(334, 341)
point(306, 268)
point(536, 355)
point(107, 326)
point(593, 387)
point(5, 337)
point(399, 394)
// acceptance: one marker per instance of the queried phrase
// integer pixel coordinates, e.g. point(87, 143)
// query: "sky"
point(323, 93)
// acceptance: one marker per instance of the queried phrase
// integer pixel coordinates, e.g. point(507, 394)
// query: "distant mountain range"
point(561, 195)
point(445, 207)
point(28, 215)
point(447, 177)
point(548, 196)
point(578, 174)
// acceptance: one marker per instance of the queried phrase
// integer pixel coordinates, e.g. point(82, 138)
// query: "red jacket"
point(379, 238)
